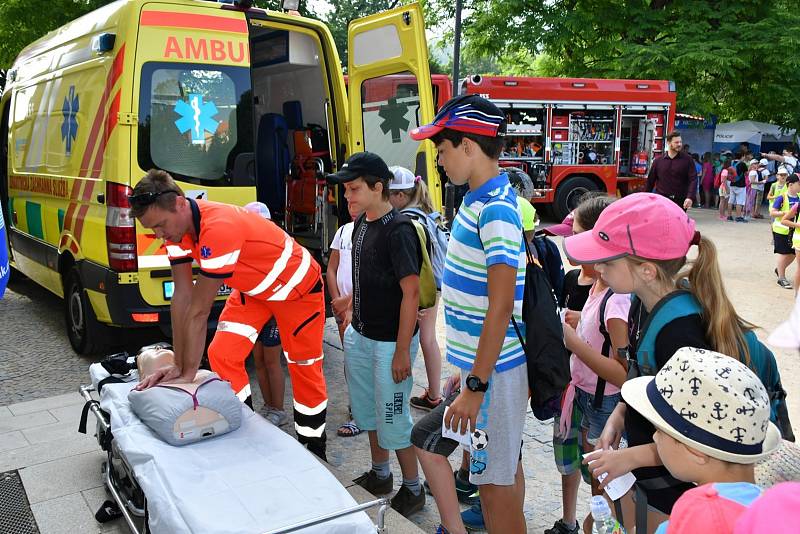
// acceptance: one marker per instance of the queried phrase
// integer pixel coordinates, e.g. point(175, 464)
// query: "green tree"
point(736, 59)
point(24, 21)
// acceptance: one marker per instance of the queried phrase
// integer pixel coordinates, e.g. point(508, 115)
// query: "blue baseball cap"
point(466, 113)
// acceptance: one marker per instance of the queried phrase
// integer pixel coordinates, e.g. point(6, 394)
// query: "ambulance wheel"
point(569, 193)
point(86, 335)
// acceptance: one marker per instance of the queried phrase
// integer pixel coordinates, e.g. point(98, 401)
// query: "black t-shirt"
point(575, 295)
point(686, 331)
point(384, 252)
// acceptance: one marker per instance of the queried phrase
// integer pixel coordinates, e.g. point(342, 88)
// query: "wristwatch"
point(474, 384)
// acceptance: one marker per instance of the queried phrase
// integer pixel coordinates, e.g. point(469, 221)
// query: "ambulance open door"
point(390, 93)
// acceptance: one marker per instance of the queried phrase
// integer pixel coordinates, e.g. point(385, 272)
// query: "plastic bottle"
point(604, 522)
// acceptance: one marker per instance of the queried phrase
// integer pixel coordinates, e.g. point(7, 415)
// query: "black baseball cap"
point(361, 164)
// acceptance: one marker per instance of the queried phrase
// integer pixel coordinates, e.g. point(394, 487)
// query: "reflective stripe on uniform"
point(177, 252)
point(316, 410)
point(310, 432)
point(243, 393)
point(221, 261)
point(277, 268)
point(296, 278)
point(240, 329)
point(302, 362)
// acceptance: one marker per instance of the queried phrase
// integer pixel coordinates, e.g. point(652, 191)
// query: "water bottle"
point(604, 522)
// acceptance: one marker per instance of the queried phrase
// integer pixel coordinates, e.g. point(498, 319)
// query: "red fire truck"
point(570, 135)
point(573, 135)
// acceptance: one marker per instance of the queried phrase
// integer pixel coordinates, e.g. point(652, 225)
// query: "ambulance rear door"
point(383, 48)
point(194, 110)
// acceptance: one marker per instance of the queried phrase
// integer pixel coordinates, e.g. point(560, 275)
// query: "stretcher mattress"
point(251, 480)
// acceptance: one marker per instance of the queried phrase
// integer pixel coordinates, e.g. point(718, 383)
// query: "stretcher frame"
point(129, 509)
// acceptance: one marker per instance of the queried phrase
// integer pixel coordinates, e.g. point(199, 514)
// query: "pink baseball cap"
point(645, 225)
point(711, 508)
point(563, 229)
point(778, 510)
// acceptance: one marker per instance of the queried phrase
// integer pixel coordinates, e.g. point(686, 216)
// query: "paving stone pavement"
point(37, 362)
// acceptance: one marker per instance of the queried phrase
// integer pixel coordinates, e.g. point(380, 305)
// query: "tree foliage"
point(24, 21)
point(736, 59)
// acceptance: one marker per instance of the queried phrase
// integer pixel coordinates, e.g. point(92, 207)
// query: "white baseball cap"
point(763, 162)
point(783, 170)
point(753, 162)
point(403, 178)
point(259, 208)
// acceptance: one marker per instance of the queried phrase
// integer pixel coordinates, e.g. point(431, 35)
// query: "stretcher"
point(256, 479)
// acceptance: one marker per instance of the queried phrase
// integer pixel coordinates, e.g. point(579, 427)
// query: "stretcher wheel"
point(108, 511)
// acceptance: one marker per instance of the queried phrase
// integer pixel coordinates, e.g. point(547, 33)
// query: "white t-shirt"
point(343, 242)
point(791, 161)
point(758, 179)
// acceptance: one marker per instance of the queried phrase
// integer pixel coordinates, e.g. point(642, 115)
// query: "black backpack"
point(550, 259)
point(546, 355)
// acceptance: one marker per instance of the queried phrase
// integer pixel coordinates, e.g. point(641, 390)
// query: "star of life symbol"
point(69, 128)
point(196, 116)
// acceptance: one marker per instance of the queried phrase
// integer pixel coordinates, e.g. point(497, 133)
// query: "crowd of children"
point(667, 380)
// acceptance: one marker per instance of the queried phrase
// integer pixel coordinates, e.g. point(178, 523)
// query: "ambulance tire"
point(86, 334)
point(569, 193)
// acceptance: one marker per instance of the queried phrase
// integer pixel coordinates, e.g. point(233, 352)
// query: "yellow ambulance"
point(236, 103)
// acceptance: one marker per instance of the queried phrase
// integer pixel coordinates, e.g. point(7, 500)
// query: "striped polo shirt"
point(493, 209)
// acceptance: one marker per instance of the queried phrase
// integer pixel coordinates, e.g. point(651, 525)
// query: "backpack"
point(438, 235)
point(543, 342)
point(550, 259)
point(427, 283)
point(762, 360)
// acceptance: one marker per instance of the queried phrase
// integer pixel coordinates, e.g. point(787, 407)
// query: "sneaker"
point(723, 218)
point(406, 503)
point(466, 491)
point(441, 530)
point(783, 282)
point(730, 217)
point(277, 417)
point(473, 517)
point(376, 486)
point(560, 528)
point(739, 219)
point(424, 402)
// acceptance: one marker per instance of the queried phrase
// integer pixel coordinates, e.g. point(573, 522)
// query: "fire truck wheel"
point(569, 193)
point(86, 334)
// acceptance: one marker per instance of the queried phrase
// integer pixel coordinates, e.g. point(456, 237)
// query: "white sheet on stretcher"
point(252, 480)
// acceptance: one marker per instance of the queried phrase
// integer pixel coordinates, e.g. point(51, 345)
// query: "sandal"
point(348, 429)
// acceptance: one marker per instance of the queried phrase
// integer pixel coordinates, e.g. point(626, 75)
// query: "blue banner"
point(4, 267)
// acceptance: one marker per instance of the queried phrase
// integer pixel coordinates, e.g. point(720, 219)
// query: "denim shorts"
point(376, 401)
point(269, 336)
point(594, 419)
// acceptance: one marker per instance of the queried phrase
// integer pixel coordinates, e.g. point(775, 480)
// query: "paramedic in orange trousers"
point(271, 276)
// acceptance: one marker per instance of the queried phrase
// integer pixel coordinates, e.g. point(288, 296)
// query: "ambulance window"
point(389, 111)
point(194, 120)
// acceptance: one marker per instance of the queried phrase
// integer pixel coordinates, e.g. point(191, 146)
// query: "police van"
point(236, 103)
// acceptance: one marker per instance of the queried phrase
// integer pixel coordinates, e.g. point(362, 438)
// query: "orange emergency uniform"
point(271, 275)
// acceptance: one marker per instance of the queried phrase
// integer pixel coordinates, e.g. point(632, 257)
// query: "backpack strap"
point(674, 306)
point(600, 390)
